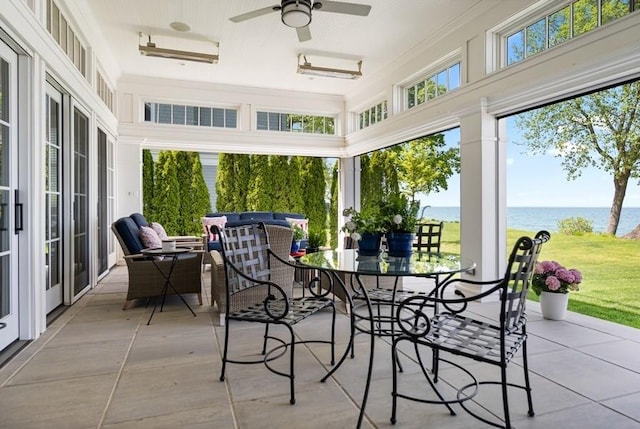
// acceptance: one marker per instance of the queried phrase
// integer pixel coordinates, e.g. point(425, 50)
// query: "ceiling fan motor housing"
point(297, 13)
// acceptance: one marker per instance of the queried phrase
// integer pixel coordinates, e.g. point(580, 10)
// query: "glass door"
point(9, 318)
point(106, 200)
point(80, 221)
point(53, 198)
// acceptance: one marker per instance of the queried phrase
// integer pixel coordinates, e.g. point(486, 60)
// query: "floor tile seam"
point(618, 411)
point(36, 346)
point(58, 380)
point(118, 377)
point(227, 385)
point(582, 352)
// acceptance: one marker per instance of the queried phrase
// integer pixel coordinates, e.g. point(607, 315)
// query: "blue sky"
point(540, 181)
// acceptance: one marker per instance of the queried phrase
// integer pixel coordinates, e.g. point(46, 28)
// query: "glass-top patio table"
point(346, 267)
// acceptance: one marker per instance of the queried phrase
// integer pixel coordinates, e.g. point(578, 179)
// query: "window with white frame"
point(295, 123)
point(570, 20)
point(200, 116)
point(435, 84)
point(104, 91)
point(373, 115)
point(62, 32)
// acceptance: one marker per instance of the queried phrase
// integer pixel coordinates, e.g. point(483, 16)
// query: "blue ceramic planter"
point(400, 244)
point(369, 244)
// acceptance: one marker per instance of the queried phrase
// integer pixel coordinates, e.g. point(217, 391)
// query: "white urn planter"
point(554, 305)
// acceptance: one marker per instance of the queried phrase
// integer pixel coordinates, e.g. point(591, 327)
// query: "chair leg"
point(505, 397)
point(527, 383)
point(266, 334)
point(292, 400)
point(226, 349)
point(127, 303)
point(200, 298)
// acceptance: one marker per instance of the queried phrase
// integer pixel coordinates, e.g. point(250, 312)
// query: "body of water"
point(537, 218)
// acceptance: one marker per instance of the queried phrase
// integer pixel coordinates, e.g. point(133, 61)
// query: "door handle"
point(18, 214)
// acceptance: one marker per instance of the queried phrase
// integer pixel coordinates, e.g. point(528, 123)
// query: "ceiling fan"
point(297, 13)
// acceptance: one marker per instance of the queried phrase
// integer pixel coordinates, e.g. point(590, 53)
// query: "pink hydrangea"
point(552, 283)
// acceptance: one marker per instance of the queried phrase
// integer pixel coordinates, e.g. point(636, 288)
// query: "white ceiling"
point(262, 51)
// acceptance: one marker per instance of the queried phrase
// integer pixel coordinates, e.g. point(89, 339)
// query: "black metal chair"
point(428, 236)
point(454, 330)
point(253, 296)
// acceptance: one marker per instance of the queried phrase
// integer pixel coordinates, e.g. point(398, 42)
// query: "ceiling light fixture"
point(296, 13)
point(307, 69)
point(151, 50)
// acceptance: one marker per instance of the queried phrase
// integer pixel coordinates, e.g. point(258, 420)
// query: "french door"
point(10, 212)
point(53, 198)
point(80, 202)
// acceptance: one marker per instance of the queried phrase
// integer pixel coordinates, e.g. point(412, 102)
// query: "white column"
point(482, 194)
point(348, 189)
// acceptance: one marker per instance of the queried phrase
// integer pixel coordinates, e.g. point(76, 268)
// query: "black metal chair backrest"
point(246, 248)
point(428, 236)
point(518, 275)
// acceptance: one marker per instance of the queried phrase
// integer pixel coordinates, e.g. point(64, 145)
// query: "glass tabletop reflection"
point(419, 264)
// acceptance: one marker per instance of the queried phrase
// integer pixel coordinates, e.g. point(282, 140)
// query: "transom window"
point(373, 115)
point(445, 79)
point(179, 114)
point(295, 123)
point(62, 32)
point(572, 20)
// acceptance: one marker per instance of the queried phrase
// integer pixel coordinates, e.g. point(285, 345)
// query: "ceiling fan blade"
point(348, 8)
point(254, 14)
point(304, 33)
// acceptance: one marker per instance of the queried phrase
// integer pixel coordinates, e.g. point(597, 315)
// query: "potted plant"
point(298, 234)
point(365, 228)
point(553, 282)
point(317, 238)
point(399, 216)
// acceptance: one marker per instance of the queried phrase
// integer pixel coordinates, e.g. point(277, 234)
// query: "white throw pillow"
point(208, 222)
point(149, 238)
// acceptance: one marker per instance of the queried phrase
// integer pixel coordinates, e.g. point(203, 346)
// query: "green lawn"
point(610, 268)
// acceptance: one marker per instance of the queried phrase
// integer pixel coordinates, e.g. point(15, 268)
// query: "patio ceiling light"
point(151, 50)
point(296, 13)
point(307, 69)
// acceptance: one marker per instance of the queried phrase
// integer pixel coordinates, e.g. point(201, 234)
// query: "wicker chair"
point(451, 329)
point(145, 279)
point(254, 295)
point(282, 274)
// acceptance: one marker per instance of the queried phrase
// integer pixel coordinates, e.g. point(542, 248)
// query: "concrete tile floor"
point(100, 367)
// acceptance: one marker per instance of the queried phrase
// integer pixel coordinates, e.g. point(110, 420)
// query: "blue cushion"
point(231, 216)
point(214, 245)
point(283, 216)
point(139, 219)
point(265, 221)
point(256, 215)
point(129, 232)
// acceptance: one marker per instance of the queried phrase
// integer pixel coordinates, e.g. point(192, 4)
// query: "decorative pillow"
point(149, 238)
point(208, 222)
point(302, 223)
point(159, 229)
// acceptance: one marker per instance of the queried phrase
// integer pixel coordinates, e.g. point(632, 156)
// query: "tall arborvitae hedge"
point(148, 184)
point(242, 169)
point(200, 199)
point(296, 202)
point(224, 183)
point(333, 208)
point(314, 188)
point(280, 182)
point(259, 191)
point(183, 173)
point(167, 193)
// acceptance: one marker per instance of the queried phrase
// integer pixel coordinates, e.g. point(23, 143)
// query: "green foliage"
point(148, 184)
point(259, 189)
point(200, 200)
point(333, 208)
point(599, 130)
point(225, 183)
point(242, 178)
point(314, 190)
point(183, 174)
point(425, 166)
point(575, 226)
point(167, 193)
point(296, 192)
point(399, 214)
point(317, 238)
point(279, 182)
point(298, 232)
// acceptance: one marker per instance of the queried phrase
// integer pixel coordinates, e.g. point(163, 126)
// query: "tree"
point(296, 194)
point(333, 208)
point(279, 182)
point(241, 180)
point(200, 199)
point(183, 174)
point(224, 183)
point(258, 193)
point(148, 184)
point(425, 166)
point(167, 193)
point(314, 190)
point(599, 130)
